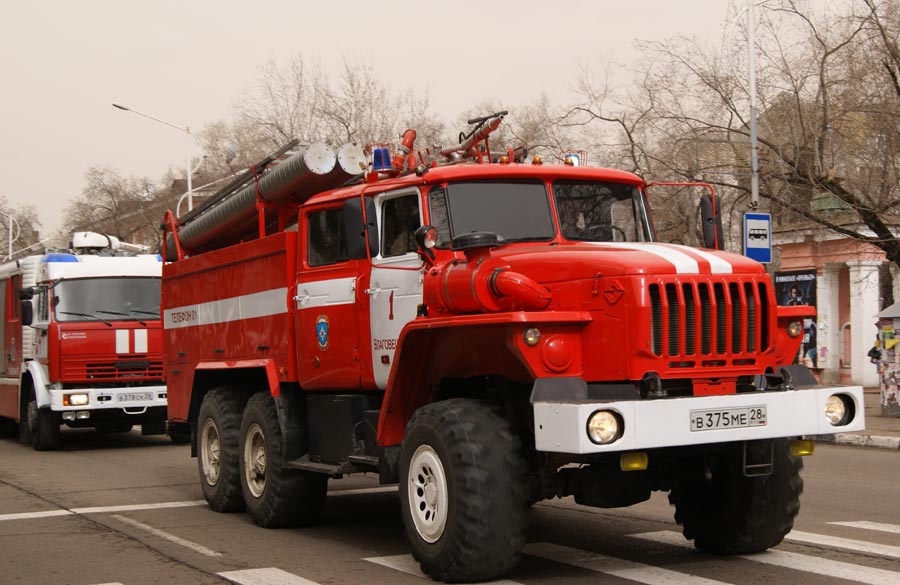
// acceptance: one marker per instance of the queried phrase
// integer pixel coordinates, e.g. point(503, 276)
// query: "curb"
point(860, 440)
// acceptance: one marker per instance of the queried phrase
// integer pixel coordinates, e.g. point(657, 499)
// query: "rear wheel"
point(218, 436)
point(462, 491)
point(275, 496)
point(726, 512)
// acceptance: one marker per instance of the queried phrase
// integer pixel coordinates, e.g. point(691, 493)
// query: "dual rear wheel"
point(239, 455)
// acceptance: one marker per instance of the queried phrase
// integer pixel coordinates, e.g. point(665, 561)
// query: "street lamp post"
point(188, 171)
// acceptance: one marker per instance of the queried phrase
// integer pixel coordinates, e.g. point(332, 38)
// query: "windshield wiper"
point(152, 313)
point(101, 319)
point(128, 314)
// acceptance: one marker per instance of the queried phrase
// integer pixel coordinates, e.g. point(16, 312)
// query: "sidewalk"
point(881, 431)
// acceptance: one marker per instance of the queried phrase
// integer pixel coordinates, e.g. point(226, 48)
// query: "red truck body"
point(532, 323)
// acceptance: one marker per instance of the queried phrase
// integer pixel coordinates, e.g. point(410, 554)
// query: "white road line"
point(100, 510)
point(134, 507)
point(356, 492)
point(270, 576)
point(30, 515)
point(615, 566)
point(407, 564)
point(879, 526)
point(797, 562)
point(170, 537)
point(862, 546)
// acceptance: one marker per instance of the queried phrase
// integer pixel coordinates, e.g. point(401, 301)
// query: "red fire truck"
point(82, 341)
point(486, 331)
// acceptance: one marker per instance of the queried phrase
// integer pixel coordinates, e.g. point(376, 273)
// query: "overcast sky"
point(65, 62)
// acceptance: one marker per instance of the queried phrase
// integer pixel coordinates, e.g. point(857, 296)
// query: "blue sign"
point(758, 237)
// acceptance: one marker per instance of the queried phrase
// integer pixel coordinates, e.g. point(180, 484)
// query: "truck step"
point(355, 464)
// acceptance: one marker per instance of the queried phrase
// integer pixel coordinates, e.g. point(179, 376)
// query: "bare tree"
point(19, 226)
point(828, 113)
point(125, 207)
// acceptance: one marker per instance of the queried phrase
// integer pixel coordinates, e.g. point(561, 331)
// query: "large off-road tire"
point(275, 496)
point(462, 491)
point(43, 426)
point(218, 448)
point(728, 513)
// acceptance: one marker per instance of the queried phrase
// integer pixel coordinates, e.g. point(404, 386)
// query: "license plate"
point(135, 396)
point(728, 418)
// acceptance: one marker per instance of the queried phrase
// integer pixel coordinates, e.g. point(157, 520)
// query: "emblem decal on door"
point(322, 331)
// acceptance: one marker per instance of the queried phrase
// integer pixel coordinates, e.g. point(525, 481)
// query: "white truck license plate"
point(135, 396)
point(728, 418)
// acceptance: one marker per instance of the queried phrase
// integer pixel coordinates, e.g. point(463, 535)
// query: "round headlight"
point(836, 410)
point(604, 427)
point(532, 336)
point(795, 328)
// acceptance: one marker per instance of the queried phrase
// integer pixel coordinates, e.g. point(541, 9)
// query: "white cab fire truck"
point(487, 331)
point(81, 341)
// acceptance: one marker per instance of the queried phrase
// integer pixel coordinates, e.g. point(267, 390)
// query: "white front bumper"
point(561, 427)
point(110, 398)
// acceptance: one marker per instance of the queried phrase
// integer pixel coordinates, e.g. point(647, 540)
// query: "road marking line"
point(356, 492)
point(407, 564)
point(170, 537)
point(798, 562)
point(30, 515)
point(270, 576)
point(862, 546)
point(614, 566)
point(99, 510)
point(135, 507)
point(879, 526)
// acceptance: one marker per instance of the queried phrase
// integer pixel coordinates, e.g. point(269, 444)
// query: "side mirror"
point(712, 223)
point(26, 294)
point(27, 313)
point(360, 233)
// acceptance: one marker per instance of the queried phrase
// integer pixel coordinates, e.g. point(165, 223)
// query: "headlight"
point(837, 410)
point(604, 427)
point(532, 335)
point(795, 328)
point(75, 399)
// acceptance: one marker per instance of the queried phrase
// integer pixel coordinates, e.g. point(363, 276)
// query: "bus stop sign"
point(758, 236)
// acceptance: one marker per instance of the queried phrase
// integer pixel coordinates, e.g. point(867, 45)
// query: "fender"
point(268, 364)
point(468, 346)
point(39, 380)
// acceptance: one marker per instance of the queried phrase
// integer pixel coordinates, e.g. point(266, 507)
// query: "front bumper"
point(133, 400)
point(561, 427)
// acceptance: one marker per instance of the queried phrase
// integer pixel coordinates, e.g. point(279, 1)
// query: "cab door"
point(395, 288)
point(326, 303)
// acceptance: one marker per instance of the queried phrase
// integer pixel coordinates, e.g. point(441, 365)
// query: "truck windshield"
point(599, 211)
point(516, 211)
point(107, 299)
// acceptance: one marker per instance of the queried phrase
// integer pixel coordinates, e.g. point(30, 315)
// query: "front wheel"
point(462, 491)
point(727, 512)
point(43, 426)
point(275, 496)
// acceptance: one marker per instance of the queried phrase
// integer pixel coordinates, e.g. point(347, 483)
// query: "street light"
point(188, 171)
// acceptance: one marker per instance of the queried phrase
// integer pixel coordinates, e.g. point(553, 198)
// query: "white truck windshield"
point(107, 299)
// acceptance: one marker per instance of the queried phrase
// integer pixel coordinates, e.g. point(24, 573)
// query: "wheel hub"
point(428, 493)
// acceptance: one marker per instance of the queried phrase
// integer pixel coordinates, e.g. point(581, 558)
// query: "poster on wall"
point(798, 287)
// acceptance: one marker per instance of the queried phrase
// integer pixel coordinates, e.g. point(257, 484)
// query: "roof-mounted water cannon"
point(94, 243)
point(468, 143)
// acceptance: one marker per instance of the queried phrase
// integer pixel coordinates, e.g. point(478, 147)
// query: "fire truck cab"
point(82, 344)
point(487, 332)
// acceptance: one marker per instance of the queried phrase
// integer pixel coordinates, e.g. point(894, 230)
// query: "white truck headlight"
point(837, 410)
point(604, 427)
point(80, 399)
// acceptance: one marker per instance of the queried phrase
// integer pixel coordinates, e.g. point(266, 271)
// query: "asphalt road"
point(126, 509)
